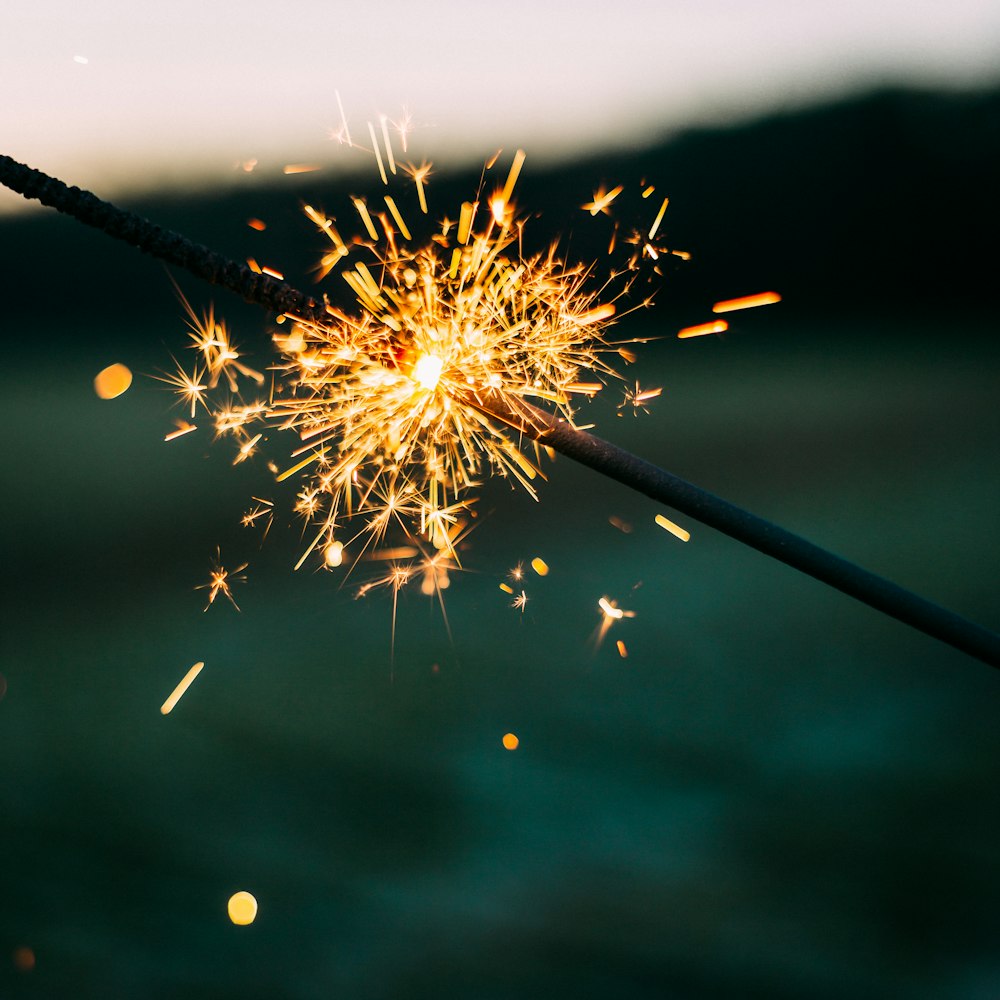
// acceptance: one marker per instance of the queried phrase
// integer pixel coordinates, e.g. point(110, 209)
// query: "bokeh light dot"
point(24, 959)
point(242, 908)
point(510, 741)
point(112, 381)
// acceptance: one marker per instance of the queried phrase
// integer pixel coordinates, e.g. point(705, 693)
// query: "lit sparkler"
point(394, 405)
point(446, 431)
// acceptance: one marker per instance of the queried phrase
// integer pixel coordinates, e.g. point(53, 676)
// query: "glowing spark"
point(403, 127)
point(465, 221)
point(674, 529)
point(540, 566)
point(395, 553)
point(112, 381)
point(257, 224)
point(510, 741)
point(362, 209)
point(219, 583)
point(189, 387)
point(507, 588)
point(659, 218)
point(178, 692)
point(183, 427)
point(497, 208)
point(399, 219)
point(611, 613)
point(519, 602)
point(420, 175)
point(333, 554)
point(637, 398)
point(388, 146)
point(746, 302)
point(702, 329)
point(343, 119)
point(210, 338)
point(242, 908)
point(274, 274)
point(300, 168)
point(609, 609)
point(378, 154)
point(515, 172)
point(602, 200)
point(263, 509)
point(427, 371)
point(247, 166)
point(648, 191)
point(623, 526)
point(602, 312)
point(622, 651)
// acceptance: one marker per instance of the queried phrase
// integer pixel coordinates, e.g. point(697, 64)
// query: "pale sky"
point(124, 97)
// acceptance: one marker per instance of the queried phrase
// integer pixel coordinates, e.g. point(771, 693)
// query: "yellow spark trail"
point(674, 529)
point(746, 302)
point(178, 692)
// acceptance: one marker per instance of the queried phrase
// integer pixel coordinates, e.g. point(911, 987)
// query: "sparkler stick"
point(555, 432)
point(165, 245)
point(766, 537)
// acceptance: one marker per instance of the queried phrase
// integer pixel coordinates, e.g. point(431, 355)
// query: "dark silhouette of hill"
point(881, 205)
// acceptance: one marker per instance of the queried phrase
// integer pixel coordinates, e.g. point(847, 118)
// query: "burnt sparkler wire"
point(557, 433)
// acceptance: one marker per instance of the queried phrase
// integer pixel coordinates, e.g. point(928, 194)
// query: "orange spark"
point(112, 381)
point(746, 302)
point(178, 692)
point(602, 199)
point(659, 218)
point(183, 427)
point(674, 529)
point(702, 329)
point(219, 582)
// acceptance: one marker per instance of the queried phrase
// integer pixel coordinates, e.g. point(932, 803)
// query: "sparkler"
point(401, 409)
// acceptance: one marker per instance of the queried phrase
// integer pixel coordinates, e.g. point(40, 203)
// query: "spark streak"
point(703, 329)
point(674, 529)
point(746, 302)
point(178, 692)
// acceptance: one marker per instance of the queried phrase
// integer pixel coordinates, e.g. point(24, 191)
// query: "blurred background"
point(778, 792)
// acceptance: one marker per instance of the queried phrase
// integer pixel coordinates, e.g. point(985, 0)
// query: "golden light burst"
point(220, 582)
point(392, 404)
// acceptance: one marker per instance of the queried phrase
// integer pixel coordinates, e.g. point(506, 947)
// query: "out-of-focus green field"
point(779, 793)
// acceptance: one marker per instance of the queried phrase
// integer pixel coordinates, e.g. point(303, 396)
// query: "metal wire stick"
point(597, 454)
